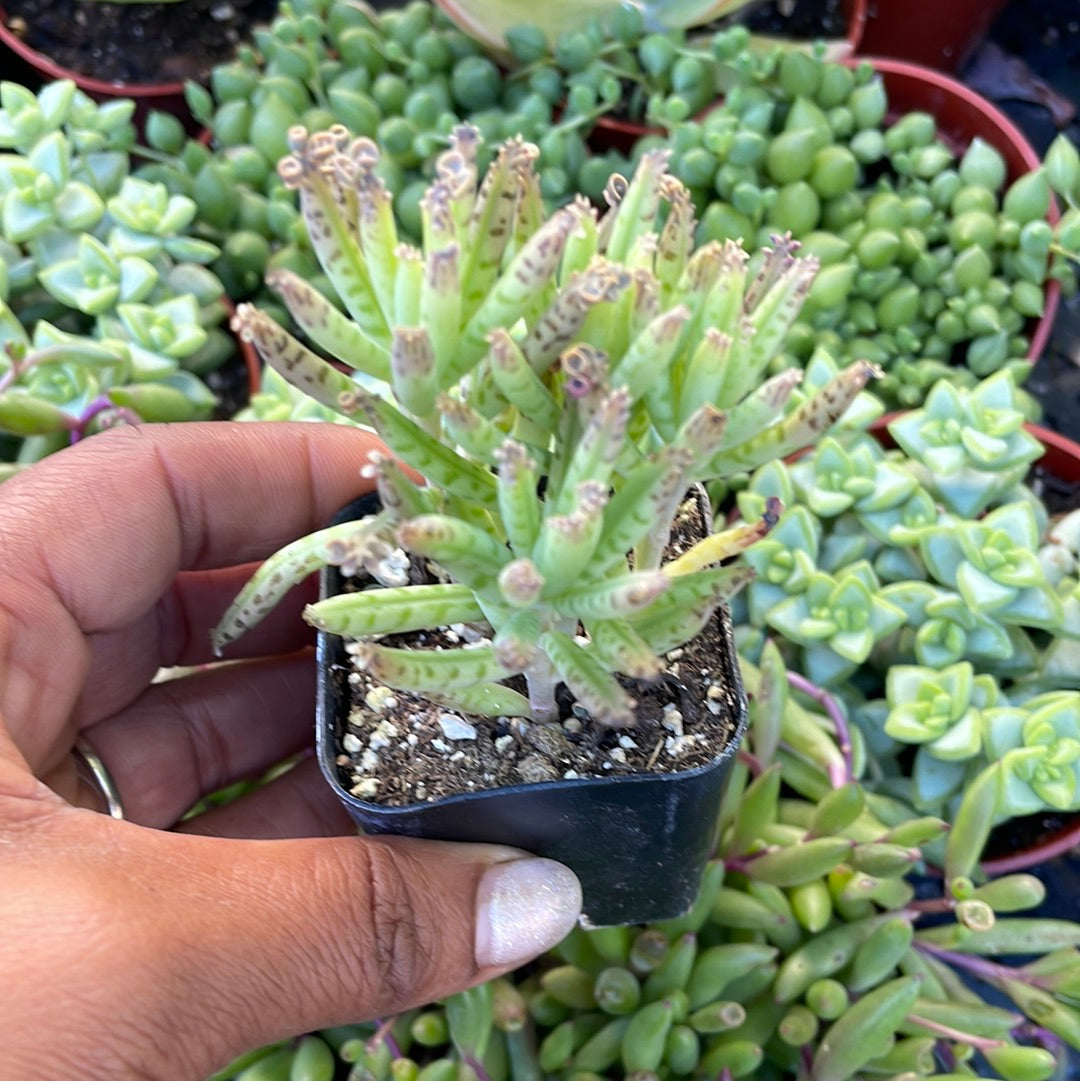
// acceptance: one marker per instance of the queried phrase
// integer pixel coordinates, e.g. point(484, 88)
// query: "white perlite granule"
point(383, 734)
point(380, 700)
point(454, 727)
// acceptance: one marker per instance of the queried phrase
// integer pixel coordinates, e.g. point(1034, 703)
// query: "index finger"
point(110, 522)
point(94, 536)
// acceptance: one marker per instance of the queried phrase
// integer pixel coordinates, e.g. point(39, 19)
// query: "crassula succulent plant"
point(560, 382)
point(107, 312)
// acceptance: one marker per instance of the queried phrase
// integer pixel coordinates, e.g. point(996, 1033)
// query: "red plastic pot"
point(961, 116)
point(941, 34)
point(165, 97)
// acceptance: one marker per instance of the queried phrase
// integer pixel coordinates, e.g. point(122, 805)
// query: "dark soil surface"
point(136, 42)
point(807, 19)
point(230, 384)
point(397, 748)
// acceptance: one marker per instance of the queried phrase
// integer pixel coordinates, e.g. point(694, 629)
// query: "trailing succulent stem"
point(560, 383)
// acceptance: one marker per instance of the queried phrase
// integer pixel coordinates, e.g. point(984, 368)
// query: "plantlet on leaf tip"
point(516, 348)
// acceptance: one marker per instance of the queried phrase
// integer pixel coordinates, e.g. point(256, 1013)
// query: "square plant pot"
point(638, 842)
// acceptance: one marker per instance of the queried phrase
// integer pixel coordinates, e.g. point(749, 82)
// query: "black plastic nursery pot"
point(637, 842)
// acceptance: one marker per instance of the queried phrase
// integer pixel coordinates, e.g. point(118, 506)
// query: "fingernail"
point(524, 907)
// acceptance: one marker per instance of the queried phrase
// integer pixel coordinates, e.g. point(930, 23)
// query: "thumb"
point(214, 946)
point(356, 928)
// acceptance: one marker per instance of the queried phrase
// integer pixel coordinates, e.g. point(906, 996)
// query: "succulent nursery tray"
point(139, 44)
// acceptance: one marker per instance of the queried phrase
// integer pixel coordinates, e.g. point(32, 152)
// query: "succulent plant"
point(107, 313)
point(946, 587)
point(964, 725)
point(524, 32)
point(560, 383)
point(404, 77)
point(497, 25)
point(934, 261)
point(972, 446)
point(974, 586)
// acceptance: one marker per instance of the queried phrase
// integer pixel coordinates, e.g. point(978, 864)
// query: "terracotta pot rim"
point(1057, 844)
point(87, 83)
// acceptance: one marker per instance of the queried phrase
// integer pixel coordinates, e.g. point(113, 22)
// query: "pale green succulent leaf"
point(466, 551)
point(935, 780)
point(591, 684)
point(416, 670)
point(361, 544)
point(482, 700)
point(516, 379)
point(394, 610)
point(620, 648)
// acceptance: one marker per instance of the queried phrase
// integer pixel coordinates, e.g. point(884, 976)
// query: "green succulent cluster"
point(929, 553)
point(934, 260)
point(601, 361)
point(808, 952)
point(107, 310)
point(969, 734)
point(928, 587)
point(404, 77)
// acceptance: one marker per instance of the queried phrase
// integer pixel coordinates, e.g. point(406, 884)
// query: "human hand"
point(147, 949)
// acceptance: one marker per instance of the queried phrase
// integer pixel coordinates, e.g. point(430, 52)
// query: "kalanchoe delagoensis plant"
point(560, 383)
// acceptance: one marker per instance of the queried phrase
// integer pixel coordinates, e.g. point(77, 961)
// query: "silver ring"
point(96, 774)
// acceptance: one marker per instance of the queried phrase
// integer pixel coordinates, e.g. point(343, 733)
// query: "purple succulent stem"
point(930, 904)
point(954, 1035)
point(476, 1066)
point(384, 1035)
point(1042, 1036)
point(977, 966)
point(751, 761)
point(14, 371)
point(834, 713)
point(98, 406)
point(948, 1059)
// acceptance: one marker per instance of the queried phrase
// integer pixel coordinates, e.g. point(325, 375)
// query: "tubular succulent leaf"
point(560, 384)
